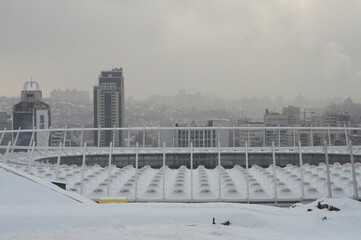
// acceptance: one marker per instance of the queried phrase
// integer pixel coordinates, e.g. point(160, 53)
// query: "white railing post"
point(173, 138)
point(31, 158)
point(311, 136)
point(191, 152)
point(329, 193)
point(16, 140)
point(82, 136)
point(65, 133)
point(49, 140)
point(294, 136)
point(136, 172)
point(247, 173)
point(99, 136)
point(279, 135)
point(113, 138)
point(274, 173)
point(264, 135)
point(31, 139)
point(233, 137)
point(6, 156)
point(83, 171)
point(203, 139)
point(218, 133)
point(219, 171)
point(189, 137)
point(158, 137)
point(2, 135)
point(58, 161)
point(109, 167)
point(355, 190)
point(346, 135)
point(301, 172)
point(164, 171)
point(329, 135)
point(249, 135)
point(128, 143)
point(144, 137)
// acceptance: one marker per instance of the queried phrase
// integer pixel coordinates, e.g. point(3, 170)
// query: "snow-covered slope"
point(18, 187)
point(35, 209)
point(180, 221)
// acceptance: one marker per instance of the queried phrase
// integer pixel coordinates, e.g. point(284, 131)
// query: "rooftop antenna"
point(31, 83)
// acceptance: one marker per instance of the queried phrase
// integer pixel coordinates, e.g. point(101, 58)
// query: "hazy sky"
point(232, 48)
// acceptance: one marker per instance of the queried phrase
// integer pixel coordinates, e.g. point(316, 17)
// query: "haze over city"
point(233, 49)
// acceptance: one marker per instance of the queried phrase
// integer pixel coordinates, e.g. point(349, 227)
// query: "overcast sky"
point(232, 48)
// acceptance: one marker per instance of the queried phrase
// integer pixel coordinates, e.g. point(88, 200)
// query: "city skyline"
point(234, 49)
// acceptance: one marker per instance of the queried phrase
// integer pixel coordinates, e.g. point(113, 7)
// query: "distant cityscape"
point(109, 108)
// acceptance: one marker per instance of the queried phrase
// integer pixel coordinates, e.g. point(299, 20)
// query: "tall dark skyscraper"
point(31, 112)
point(109, 107)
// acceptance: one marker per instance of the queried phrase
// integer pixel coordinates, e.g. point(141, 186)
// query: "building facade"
point(109, 107)
point(254, 138)
point(278, 136)
point(30, 113)
point(198, 137)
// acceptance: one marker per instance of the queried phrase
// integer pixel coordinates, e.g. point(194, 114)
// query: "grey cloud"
point(234, 48)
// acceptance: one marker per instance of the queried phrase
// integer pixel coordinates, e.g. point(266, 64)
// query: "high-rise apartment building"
point(109, 107)
point(31, 112)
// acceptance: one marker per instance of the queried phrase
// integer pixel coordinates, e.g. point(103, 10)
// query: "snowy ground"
point(47, 214)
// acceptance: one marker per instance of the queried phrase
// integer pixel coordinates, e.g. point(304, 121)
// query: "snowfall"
point(33, 208)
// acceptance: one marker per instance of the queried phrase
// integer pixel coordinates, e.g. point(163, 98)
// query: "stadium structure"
point(267, 174)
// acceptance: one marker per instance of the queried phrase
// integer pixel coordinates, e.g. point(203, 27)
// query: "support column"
point(58, 161)
point(301, 172)
point(247, 173)
point(136, 172)
point(219, 171)
point(191, 152)
point(329, 193)
point(83, 171)
point(164, 171)
point(355, 190)
point(109, 167)
point(274, 173)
